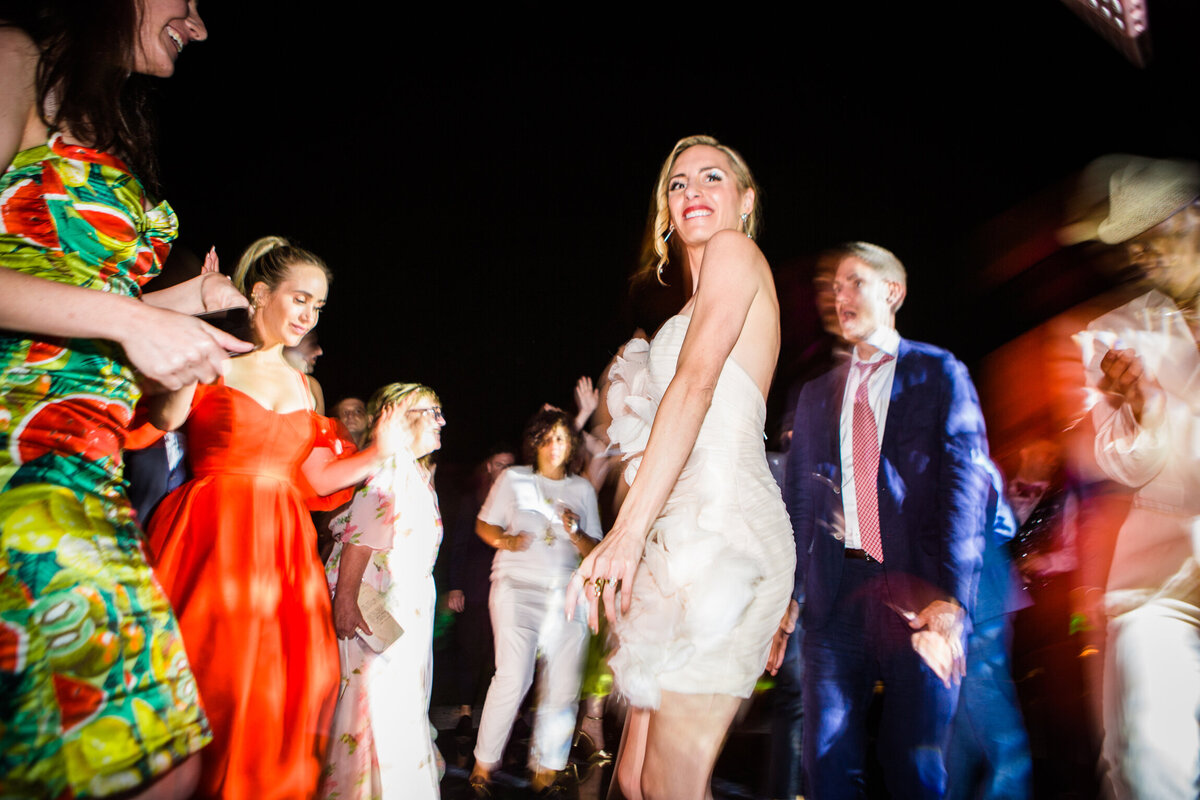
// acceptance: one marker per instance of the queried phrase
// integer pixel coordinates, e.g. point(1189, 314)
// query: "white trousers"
point(1152, 701)
point(527, 621)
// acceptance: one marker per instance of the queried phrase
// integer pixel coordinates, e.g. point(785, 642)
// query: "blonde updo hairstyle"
point(656, 249)
point(268, 260)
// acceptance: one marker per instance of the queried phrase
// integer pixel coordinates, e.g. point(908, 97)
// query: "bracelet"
point(589, 716)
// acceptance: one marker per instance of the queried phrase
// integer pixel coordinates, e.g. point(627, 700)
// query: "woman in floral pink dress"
point(387, 542)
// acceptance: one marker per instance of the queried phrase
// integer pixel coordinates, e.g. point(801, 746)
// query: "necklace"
point(549, 507)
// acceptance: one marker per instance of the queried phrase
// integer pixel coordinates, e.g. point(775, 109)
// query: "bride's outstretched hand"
point(614, 561)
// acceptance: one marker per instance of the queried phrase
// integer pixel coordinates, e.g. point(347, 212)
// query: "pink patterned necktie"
point(865, 440)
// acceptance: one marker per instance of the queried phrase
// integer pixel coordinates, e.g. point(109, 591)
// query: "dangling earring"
point(744, 218)
point(663, 262)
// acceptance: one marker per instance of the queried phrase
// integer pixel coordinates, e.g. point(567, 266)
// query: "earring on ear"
point(745, 217)
point(662, 263)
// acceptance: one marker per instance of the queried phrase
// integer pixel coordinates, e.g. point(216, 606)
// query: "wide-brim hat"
point(1145, 192)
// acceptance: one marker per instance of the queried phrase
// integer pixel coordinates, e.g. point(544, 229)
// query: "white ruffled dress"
point(719, 562)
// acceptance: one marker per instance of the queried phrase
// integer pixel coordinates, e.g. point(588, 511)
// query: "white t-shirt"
point(522, 501)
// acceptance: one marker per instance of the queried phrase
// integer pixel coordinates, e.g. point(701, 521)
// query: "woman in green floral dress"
point(96, 694)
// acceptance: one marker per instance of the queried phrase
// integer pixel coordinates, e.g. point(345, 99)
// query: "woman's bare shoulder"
point(14, 39)
point(18, 70)
point(18, 61)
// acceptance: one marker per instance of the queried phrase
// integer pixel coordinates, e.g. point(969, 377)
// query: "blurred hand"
point(392, 433)
point(347, 617)
point(937, 653)
point(945, 619)
point(456, 600)
point(570, 521)
point(615, 560)
point(940, 616)
point(517, 543)
point(216, 290)
point(174, 350)
point(587, 398)
point(1125, 376)
point(779, 640)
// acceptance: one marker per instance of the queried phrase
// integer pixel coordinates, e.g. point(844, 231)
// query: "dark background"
point(479, 182)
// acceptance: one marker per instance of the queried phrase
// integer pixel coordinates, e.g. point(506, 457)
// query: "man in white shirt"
point(1142, 361)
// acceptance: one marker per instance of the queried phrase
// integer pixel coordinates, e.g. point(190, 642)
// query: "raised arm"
point(1132, 433)
point(168, 348)
point(326, 473)
point(731, 277)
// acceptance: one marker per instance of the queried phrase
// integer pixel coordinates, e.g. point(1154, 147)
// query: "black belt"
point(860, 555)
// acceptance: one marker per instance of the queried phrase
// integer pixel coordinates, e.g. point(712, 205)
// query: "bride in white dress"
point(698, 568)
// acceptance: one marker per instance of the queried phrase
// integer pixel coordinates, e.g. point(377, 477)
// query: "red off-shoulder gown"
point(235, 550)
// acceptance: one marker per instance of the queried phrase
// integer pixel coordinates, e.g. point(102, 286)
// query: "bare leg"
point(178, 784)
point(627, 783)
point(683, 740)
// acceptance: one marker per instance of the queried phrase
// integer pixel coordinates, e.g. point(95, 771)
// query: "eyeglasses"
point(433, 412)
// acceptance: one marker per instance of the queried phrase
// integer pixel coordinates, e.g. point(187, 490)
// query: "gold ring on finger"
point(599, 584)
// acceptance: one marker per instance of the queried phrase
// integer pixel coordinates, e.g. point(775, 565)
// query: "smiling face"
point(285, 315)
point(425, 423)
point(703, 194)
point(863, 299)
point(1169, 254)
point(166, 28)
point(554, 450)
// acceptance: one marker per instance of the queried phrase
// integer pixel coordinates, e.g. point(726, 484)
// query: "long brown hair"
point(85, 81)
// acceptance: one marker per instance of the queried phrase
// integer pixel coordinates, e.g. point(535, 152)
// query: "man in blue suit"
point(888, 503)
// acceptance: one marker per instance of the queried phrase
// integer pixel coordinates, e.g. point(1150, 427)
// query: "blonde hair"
point(397, 394)
point(880, 259)
point(655, 247)
point(268, 260)
point(401, 395)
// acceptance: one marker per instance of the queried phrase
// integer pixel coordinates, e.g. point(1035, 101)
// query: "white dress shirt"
point(879, 394)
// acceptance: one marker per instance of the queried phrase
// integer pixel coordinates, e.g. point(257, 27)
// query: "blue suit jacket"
point(932, 491)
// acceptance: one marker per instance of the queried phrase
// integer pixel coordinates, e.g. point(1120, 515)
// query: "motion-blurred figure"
point(988, 757)
point(542, 518)
point(470, 583)
point(888, 506)
point(352, 413)
point(303, 358)
point(1142, 359)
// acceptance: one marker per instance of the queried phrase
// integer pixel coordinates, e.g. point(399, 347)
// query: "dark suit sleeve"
point(962, 485)
point(795, 492)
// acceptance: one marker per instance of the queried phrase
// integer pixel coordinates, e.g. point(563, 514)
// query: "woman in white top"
point(542, 519)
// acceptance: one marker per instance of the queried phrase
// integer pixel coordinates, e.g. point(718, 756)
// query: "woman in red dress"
point(235, 548)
